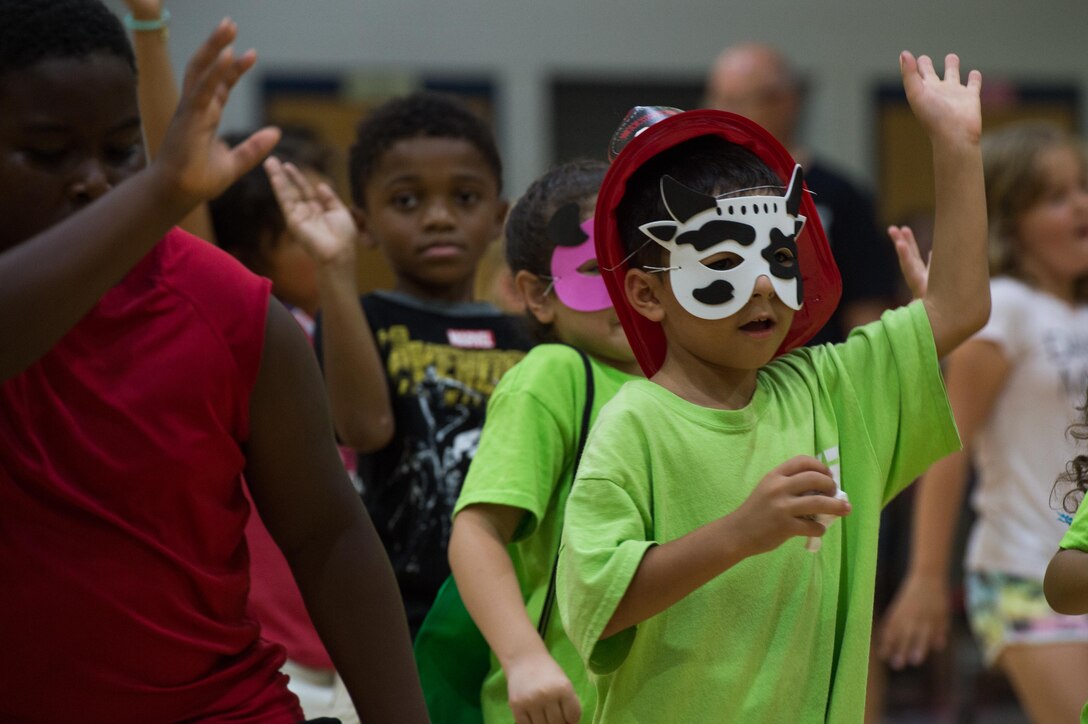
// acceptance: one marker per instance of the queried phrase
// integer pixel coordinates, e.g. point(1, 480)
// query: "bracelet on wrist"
point(147, 26)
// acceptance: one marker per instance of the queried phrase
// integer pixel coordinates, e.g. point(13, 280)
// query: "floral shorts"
point(1004, 610)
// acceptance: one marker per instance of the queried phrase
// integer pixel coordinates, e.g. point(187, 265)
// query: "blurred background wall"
point(528, 56)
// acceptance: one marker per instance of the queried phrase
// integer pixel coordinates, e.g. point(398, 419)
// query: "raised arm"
point(917, 619)
point(354, 376)
point(312, 511)
point(158, 93)
point(957, 299)
point(49, 281)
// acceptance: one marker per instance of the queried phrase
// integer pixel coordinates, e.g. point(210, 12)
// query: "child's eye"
point(124, 154)
point(784, 257)
point(467, 198)
point(722, 262)
point(590, 268)
point(404, 201)
point(47, 157)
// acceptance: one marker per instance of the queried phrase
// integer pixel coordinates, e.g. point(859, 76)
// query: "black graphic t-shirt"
point(442, 362)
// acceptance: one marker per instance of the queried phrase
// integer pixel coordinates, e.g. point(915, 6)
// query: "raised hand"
point(539, 691)
point(786, 503)
point(915, 271)
point(314, 215)
point(948, 109)
point(197, 165)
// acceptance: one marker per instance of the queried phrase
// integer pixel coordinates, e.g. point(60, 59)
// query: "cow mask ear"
point(682, 202)
point(660, 231)
point(795, 191)
point(565, 226)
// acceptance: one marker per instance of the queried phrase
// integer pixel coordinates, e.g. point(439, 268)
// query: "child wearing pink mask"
point(509, 516)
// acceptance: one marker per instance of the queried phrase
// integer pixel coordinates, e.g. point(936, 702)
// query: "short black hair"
point(418, 115)
point(708, 164)
point(246, 217)
point(35, 30)
point(527, 244)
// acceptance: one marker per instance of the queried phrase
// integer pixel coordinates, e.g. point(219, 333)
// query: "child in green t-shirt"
point(678, 581)
point(1066, 582)
point(510, 512)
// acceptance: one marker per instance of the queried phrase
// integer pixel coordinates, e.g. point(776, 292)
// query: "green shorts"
point(1004, 610)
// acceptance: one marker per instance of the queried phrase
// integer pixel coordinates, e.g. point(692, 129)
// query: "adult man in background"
point(756, 81)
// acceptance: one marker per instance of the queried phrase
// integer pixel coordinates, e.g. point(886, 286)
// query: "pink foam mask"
point(580, 290)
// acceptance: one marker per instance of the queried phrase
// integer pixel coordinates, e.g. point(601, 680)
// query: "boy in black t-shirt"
point(409, 372)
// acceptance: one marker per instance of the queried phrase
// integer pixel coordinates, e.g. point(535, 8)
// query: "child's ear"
point(534, 290)
point(502, 208)
point(365, 239)
point(644, 292)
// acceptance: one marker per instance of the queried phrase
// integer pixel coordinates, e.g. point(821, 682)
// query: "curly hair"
point(419, 115)
point(1076, 470)
point(33, 30)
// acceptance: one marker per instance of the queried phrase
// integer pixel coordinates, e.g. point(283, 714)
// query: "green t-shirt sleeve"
point(890, 368)
point(528, 438)
point(1077, 535)
point(606, 533)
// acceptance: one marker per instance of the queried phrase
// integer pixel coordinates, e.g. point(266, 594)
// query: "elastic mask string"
point(627, 258)
point(727, 194)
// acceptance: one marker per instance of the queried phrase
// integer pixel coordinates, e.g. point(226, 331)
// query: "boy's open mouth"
point(758, 325)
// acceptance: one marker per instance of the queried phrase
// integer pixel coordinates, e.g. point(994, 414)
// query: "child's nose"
point(763, 286)
point(438, 213)
point(90, 181)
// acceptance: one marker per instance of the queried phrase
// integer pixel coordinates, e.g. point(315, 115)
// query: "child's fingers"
point(914, 269)
point(206, 55)
point(302, 184)
point(918, 647)
point(571, 708)
point(286, 193)
point(974, 81)
point(800, 464)
point(553, 712)
point(224, 75)
point(952, 68)
point(919, 644)
point(925, 67)
point(327, 197)
point(205, 87)
point(809, 482)
point(233, 72)
point(809, 506)
point(894, 649)
point(247, 154)
point(809, 528)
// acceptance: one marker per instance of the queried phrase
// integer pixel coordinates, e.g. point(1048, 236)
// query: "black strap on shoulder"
point(587, 412)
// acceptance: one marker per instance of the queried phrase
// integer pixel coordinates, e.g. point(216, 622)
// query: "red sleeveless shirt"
point(123, 567)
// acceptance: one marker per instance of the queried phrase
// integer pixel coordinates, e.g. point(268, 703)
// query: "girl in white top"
point(1014, 388)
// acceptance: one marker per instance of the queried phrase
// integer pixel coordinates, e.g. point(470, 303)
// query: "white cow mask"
point(760, 230)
